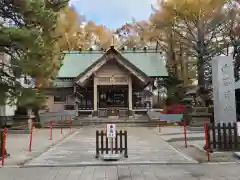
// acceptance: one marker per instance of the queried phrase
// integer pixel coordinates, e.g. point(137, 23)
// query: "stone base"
point(94, 114)
point(130, 113)
point(6, 121)
point(111, 157)
point(18, 131)
point(5, 156)
point(237, 154)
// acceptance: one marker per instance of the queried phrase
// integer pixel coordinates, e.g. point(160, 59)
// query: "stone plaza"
point(144, 146)
point(151, 157)
point(126, 172)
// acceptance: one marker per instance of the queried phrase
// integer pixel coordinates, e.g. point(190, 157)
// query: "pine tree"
point(29, 36)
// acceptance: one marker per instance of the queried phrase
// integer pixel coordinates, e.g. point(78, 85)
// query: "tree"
point(78, 33)
point(104, 37)
point(232, 34)
point(28, 36)
point(134, 34)
point(70, 26)
point(99, 35)
point(197, 28)
point(166, 39)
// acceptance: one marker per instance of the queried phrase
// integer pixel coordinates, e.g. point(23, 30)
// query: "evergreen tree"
point(29, 36)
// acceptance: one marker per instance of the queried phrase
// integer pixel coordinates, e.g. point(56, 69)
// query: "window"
point(60, 98)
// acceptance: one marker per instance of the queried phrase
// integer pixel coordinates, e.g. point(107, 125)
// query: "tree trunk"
point(201, 81)
point(236, 57)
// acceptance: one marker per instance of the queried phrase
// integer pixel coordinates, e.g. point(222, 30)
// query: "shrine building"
point(103, 84)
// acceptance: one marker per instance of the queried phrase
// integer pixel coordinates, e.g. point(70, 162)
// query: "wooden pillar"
point(151, 98)
point(95, 93)
point(130, 94)
point(76, 104)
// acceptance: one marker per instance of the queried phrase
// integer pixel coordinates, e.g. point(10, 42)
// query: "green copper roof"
point(74, 63)
point(63, 83)
point(151, 63)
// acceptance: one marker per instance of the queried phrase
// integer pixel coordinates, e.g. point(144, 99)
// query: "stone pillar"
point(130, 96)
point(76, 104)
point(223, 89)
point(95, 97)
point(151, 98)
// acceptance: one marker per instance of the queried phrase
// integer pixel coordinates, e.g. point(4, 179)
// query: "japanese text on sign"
point(111, 130)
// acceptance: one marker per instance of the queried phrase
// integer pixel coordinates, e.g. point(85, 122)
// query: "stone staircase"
point(94, 121)
point(138, 120)
point(79, 121)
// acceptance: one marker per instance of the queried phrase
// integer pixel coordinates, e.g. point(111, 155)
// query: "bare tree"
point(233, 34)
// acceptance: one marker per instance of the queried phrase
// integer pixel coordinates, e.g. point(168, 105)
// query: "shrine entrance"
point(113, 99)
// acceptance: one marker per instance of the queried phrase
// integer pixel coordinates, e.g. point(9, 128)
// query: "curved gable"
point(111, 55)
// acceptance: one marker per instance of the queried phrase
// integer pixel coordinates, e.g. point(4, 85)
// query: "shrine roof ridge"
point(120, 51)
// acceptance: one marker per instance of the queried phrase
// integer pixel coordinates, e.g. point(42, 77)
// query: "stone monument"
point(223, 89)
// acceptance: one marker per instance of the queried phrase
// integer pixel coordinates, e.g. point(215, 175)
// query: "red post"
point(31, 136)
point(206, 139)
point(185, 132)
point(51, 123)
point(4, 145)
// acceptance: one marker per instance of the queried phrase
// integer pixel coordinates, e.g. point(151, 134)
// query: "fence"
point(223, 137)
point(104, 147)
point(29, 128)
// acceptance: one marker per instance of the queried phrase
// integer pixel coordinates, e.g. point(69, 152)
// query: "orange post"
point(185, 132)
point(31, 136)
point(4, 145)
point(206, 140)
point(51, 123)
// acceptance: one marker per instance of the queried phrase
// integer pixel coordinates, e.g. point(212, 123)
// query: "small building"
point(110, 83)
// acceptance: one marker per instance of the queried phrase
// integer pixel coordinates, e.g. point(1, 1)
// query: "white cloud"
point(114, 13)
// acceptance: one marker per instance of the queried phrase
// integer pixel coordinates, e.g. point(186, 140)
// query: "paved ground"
point(142, 172)
point(195, 141)
point(177, 132)
point(18, 145)
point(144, 145)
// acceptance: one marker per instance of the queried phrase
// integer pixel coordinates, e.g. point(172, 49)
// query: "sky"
point(114, 13)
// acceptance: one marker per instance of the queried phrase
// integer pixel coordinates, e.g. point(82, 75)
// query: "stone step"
point(195, 128)
point(95, 123)
point(18, 131)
